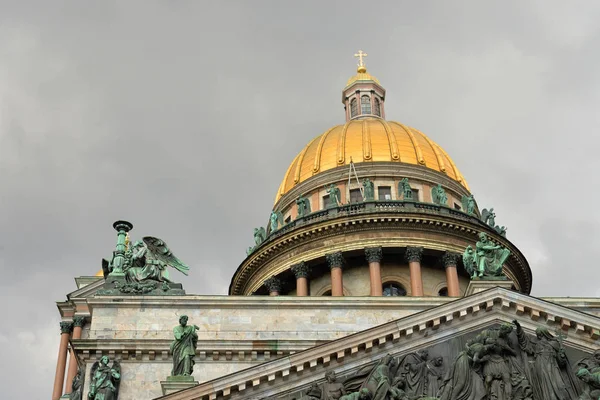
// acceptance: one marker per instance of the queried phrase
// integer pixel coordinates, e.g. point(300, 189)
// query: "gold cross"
point(360, 56)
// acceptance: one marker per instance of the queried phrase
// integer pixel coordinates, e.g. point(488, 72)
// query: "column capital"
point(273, 284)
point(414, 254)
point(300, 270)
point(335, 260)
point(373, 254)
point(450, 259)
point(79, 321)
point(66, 327)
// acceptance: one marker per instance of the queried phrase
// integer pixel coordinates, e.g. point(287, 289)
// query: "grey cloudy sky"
point(182, 117)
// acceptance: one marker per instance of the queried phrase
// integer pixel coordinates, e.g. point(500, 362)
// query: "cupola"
point(363, 96)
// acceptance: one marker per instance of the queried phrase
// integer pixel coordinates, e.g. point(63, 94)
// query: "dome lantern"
point(363, 95)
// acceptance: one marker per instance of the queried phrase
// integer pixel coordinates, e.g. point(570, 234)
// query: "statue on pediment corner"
point(486, 260)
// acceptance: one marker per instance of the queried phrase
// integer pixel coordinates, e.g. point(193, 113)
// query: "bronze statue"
point(148, 260)
point(335, 198)
point(332, 389)
point(303, 206)
point(405, 189)
point(259, 236)
point(486, 260)
point(489, 217)
point(183, 347)
point(104, 380)
point(369, 190)
point(468, 204)
point(362, 394)
point(77, 385)
point(438, 195)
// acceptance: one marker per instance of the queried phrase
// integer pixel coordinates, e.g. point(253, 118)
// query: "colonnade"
point(374, 256)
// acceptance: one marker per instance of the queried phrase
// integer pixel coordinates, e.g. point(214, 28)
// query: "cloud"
point(183, 117)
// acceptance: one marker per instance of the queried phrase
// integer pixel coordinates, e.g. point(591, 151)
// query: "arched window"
point(327, 293)
point(353, 108)
point(393, 289)
point(443, 292)
point(365, 105)
point(377, 108)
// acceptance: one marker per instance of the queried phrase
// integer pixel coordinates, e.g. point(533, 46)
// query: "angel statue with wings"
point(147, 260)
point(104, 380)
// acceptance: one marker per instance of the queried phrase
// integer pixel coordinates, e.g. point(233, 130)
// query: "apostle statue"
point(183, 347)
point(104, 380)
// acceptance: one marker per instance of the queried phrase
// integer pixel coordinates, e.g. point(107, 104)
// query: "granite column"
point(273, 284)
point(335, 262)
point(301, 272)
point(78, 323)
point(450, 260)
point(66, 327)
point(374, 256)
point(414, 256)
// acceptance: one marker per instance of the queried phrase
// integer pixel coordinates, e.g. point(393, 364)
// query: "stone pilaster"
point(301, 272)
point(374, 256)
point(335, 262)
point(273, 284)
point(66, 327)
point(414, 256)
point(450, 261)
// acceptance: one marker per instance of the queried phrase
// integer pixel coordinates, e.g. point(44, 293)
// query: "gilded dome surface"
point(367, 140)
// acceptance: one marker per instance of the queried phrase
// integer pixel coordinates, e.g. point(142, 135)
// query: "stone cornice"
point(491, 306)
point(207, 350)
point(376, 216)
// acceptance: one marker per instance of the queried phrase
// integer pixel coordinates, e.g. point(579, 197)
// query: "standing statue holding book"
point(183, 347)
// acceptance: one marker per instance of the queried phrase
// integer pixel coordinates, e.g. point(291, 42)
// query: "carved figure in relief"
point(183, 347)
point(313, 393)
point(591, 379)
point(369, 190)
point(332, 389)
point(362, 394)
point(462, 381)
point(104, 380)
point(552, 379)
point(470, 263)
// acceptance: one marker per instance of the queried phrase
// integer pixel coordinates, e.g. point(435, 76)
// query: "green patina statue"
point(259, 235)
point(104, 380)
point(468, 203)
point(335, 197)
point(369, 190)
point(303, 206)
point(489, 217)
point(405, 189)
point(141, 268)
point(77, 385)
point(275, 219)
point(438, 195)
point(486, 260)
point(183, 348)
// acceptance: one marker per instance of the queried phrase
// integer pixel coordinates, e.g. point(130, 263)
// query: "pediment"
point(443, 330)
point(87, 290)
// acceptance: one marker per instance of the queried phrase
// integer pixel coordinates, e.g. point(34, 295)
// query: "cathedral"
point(377, 276)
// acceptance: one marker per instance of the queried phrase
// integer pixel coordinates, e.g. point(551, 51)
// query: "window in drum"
point(365, 105)
point(443, 292)
point(356, 196)
point(393, 289)
point(384, 193)
point(377, 108)
point(353, 108)
point(415, 193)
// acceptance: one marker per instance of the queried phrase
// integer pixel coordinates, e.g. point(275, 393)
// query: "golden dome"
point(362, 75)
point(367, 140)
